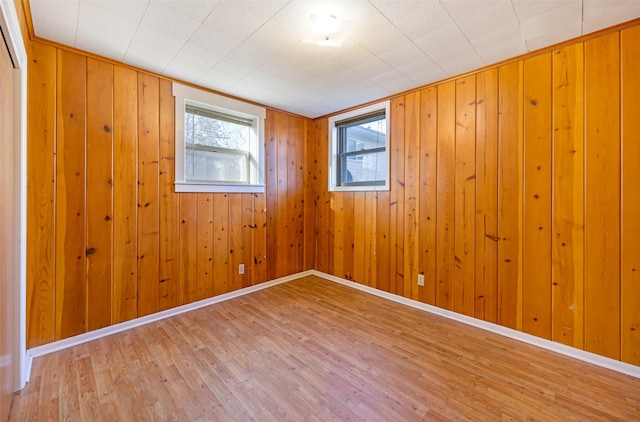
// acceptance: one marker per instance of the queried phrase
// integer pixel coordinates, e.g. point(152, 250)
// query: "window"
point(359, 149)
point(219, 143)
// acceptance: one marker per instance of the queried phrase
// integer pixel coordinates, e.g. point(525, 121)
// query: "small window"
point(359, 149)
point(219, 143)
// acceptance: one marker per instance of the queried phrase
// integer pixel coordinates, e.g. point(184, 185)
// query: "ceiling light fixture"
point(326, 29)
point(325, 25)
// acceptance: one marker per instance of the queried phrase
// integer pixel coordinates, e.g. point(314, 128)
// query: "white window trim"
point(182, 94)
point(333, 147)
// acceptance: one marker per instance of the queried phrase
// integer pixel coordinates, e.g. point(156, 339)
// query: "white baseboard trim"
point(103, 332)
point(562, 349)
point(572, 352)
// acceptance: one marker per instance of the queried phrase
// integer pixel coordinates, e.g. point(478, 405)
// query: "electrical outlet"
point(241, 269)
point(420, 279)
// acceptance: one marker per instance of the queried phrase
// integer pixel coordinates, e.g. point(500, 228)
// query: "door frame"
point(15, 43)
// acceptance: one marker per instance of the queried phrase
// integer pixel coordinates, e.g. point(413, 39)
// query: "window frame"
point(337, 157)
point(189, 96)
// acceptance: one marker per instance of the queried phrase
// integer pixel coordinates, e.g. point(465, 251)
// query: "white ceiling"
point(255, 49)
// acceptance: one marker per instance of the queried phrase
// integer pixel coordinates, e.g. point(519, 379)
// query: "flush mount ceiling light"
point(326, 24)
point(325, 29)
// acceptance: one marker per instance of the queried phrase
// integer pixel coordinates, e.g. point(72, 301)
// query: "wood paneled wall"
point(108, 239)
point(514, 190)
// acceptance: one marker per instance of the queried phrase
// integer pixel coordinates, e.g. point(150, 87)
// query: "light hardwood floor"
point(315, 350)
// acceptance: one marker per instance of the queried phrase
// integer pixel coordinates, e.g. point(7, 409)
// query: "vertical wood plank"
point(247, 238)
point(187, 274)
point(536, 259)
point(70, 195)
point(204, 242)
point(300, 141)
point(99, 194)
point(602, 202)
point(630, 288)
point(486, 303)
point(310, 154)
point(41, 179)
point(259, 274)
point(337, 216)
point(348, 234)
point(331, 221)
point(235, 240)
point(148, 194)
point(284, 246)
point(510, 195)
point(168, 213)
point(292, 133)
point(221, 257)
point(428, 192)
point(465, 196)
point(411, 248)
point(125, 194)
point(445, 253)
point(271, 192)
point(568, 196)
point(396, 184)
point(221, 243)
point(322, 196)
point(382, 249)
point(371, 237)
point(359, 245)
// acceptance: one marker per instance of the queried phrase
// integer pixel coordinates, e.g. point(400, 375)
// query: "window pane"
point(202, 130)
point(365, 168)
point(359, 149)
point(366, 136)
point(216, 166)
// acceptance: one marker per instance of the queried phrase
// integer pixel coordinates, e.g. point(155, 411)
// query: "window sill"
point(214, 188)
point(359, 188)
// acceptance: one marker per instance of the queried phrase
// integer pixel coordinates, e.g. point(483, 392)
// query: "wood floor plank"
point(314, 350)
